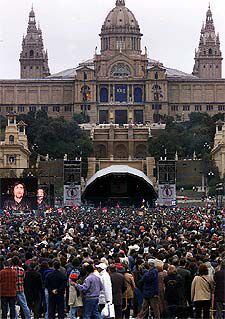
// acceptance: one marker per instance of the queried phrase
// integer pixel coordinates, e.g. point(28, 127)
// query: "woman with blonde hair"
point(201, 292)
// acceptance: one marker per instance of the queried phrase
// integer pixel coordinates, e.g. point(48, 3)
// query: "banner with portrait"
point(18, 194)
point(166, 194)
point(72, 195)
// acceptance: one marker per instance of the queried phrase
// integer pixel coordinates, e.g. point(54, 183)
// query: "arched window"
point(121, 151)
point(120, 70)
point(11, 139)
point(100, 151)
point(31, 53)
point(138, 95)
point(210, 51)
point(141, 151)
point(104, 95)
point(21, 129)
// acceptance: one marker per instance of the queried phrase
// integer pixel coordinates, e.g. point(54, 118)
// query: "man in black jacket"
point(33, 289)
point(56, 284)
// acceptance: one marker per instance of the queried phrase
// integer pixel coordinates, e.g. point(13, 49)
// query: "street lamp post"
point(209, 176)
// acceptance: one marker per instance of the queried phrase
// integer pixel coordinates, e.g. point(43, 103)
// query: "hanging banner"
point(166, 195)
point(121, 93)
point(72, 195)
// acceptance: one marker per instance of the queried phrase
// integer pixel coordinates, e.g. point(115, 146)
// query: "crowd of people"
point(87, 262)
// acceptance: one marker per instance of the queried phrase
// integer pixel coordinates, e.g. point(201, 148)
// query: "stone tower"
point(33, 58)
point(208, 57)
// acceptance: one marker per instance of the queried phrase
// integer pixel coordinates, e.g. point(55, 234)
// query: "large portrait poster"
point(18, 194)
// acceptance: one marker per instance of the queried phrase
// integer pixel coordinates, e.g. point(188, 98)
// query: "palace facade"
point(121, 84)
point(121, 90)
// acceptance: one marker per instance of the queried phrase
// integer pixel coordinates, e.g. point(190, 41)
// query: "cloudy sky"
point(70, 28)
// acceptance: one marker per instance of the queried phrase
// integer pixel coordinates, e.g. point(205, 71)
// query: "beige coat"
point(74, 300)
point(130, 284)
point(202, 288)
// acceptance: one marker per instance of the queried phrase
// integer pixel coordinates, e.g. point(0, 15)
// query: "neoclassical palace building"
point(121, 84)
point(120, 89)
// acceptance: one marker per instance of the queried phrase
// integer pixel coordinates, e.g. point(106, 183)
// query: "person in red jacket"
point(8, 291)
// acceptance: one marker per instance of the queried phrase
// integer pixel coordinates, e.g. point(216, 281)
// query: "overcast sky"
point(70, 29)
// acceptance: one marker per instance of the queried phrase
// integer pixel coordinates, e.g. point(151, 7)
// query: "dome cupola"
point(121, 31)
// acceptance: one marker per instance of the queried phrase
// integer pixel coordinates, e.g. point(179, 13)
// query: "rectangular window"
point(198, 108)
point(156, 106)
point(209, 107)
point(120, 45)
point(21, 109)
point(138, 116)
point(44, 108)
point(186, 107)
point(9, 109)
point(68, 108)
point(221, 108)
point(33, 108)
point(174, 108)
point(103, 116)
point(56, 108)
point(121, 117)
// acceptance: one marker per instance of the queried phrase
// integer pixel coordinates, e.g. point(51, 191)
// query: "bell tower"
point(33, 58)
point(208, 56)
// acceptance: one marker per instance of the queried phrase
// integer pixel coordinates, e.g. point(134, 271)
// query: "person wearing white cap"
point(106, 294)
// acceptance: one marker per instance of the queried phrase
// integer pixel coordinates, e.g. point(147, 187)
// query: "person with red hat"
point(75, 298)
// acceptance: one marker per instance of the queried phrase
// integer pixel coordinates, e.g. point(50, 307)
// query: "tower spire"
point(120, 2)
point(208, 57)
point(33, 60)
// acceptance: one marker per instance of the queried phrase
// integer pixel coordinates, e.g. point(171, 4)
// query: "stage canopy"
point(119, 182)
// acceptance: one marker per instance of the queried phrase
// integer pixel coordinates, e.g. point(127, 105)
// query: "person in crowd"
point(20, 295)
point(118, 289)
point(56, 283)
point(91, 289)
point(75, 301)
point(161, 276)
point(45, 268)
point(150, 289)
point(41, 200)
point(8, 290)
point(184, 237)
point(105, 296)
point(128, 295)
point(33, 289)
point(201, 292)
point(185, 276)
point(219, 296)
point(174, 293)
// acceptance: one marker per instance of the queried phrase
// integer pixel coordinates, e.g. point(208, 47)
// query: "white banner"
point(72, 195)
point(166, 195)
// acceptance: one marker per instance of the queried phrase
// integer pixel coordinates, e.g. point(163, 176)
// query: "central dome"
point(121, 30)
point(121, 19)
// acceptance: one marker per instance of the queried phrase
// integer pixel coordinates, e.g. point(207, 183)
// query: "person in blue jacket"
point(150, 291)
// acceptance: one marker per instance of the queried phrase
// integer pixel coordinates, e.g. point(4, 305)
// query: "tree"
point(80, 118)
point(185, 138)
point(56, 136)
point(3, 123)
